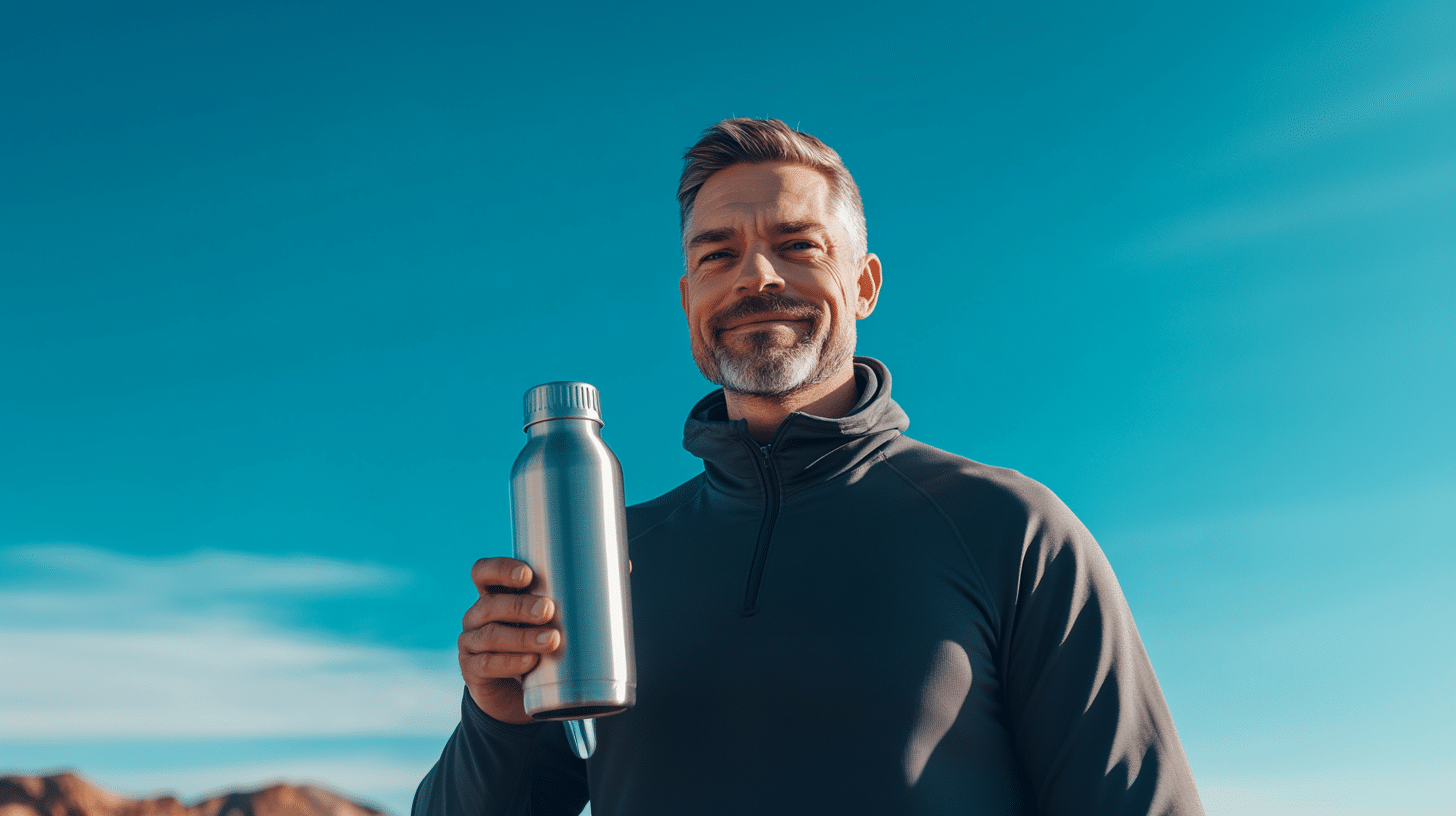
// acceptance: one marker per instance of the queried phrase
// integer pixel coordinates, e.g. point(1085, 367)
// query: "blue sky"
point(273, 277)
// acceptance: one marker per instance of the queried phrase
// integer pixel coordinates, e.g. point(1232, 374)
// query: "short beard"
point(769, 370)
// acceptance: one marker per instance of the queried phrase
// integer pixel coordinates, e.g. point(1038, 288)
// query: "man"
point(832, 617)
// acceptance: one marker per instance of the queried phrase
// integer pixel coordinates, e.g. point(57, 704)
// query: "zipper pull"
point(765, 449)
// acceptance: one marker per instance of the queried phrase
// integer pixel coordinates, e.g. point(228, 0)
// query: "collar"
point(806, 450)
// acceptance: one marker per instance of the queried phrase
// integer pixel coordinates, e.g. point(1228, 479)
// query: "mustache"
point(765, 303)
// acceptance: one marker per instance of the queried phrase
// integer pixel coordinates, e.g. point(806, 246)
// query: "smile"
point(764, 320)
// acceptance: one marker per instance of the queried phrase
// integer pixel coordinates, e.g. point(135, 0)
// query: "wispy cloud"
point(1338, 201)
point(216, 680)
point(127, 646)
point(68, 584)
point(1347, 111)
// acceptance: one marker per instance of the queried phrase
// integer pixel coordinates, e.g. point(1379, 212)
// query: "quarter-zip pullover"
point(849, 621)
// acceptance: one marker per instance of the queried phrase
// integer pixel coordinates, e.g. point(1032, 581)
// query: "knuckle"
point(498, 608)
point(507, 664)
point(480, 568)
point(472, 667)
point(500, 573)
point(471, 642)
point(478, 614)
point(491, 565)
point(481, 666)
point(495, 636)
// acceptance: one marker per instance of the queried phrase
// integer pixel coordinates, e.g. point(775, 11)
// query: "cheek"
point(697, 318)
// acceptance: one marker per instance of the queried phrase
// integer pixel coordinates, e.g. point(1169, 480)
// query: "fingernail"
point(518, 573)
point(543, 638)
point(539, 610)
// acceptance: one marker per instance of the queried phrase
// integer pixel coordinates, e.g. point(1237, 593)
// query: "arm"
point(491, 767)
point(500, 761)
point(1093, 733)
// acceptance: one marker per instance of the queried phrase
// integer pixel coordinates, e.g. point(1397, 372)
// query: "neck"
point(832, 398)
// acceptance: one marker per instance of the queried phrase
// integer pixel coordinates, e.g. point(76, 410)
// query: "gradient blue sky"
point(273, 277)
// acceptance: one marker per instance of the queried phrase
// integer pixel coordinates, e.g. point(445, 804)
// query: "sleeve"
point(1090, 725)
point(491, 768)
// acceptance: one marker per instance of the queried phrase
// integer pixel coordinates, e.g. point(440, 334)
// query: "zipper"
point(765, 532)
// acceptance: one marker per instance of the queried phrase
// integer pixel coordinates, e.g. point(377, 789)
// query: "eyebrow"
point(791, 227)
point(714, 236)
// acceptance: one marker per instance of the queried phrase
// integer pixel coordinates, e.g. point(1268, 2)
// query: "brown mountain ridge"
point(67, 794)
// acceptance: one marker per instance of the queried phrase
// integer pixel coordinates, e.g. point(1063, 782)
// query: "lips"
point(764, 307)
point(754, 320)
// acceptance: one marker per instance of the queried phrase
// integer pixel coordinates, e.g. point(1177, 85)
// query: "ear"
point(869, 286)
point(682, 288)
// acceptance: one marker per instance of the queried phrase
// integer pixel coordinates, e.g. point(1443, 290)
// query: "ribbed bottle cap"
point(563, 400)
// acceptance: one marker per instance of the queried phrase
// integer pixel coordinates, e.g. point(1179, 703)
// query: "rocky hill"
point(69, 795)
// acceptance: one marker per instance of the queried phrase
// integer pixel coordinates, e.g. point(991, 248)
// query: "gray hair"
point(756, 141)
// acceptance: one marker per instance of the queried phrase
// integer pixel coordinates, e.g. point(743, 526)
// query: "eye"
point(715, 257)
point(800, 245)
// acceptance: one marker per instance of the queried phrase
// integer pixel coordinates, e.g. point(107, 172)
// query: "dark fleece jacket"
point(848, 621)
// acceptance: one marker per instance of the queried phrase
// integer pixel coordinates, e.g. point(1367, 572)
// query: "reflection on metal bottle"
point(569, 514)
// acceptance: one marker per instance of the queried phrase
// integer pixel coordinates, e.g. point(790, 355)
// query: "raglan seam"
point(977, 571)
point(702, 481)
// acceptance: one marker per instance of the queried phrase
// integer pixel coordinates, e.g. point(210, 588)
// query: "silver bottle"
point(570, 525)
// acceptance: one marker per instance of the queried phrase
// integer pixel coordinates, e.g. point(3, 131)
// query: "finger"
point(494, 608)
point(511, 573)
point(477, 668)
point(496, 637)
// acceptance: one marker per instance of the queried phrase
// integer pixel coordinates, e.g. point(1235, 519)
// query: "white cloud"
point(130, 647)
point(217, 680)
point(71, 584)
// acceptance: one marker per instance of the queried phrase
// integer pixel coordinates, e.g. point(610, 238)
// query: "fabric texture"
point(849, 621)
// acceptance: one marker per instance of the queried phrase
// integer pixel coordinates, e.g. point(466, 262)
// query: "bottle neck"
point(574, 425)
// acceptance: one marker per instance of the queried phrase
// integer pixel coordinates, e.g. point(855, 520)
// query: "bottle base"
point(579, 700)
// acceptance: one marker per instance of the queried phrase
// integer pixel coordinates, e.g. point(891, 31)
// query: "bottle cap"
point(563, 400)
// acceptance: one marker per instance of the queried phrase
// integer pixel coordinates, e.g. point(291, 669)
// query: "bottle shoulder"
point(573, 442)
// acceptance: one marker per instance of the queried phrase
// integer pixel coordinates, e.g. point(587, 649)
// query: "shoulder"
point(1012, 526)
point(646, 515)
point(972, 491)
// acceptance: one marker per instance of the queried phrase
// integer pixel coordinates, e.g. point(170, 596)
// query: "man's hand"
point(504, 636)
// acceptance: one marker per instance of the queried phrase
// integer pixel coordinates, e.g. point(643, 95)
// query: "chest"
point(836, 601)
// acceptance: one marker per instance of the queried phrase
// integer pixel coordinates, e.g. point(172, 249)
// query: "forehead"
point(775, 190)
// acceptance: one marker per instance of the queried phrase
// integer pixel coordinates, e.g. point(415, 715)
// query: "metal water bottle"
point(570, 522)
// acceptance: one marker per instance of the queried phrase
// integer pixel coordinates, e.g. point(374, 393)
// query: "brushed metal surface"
point(569, 514)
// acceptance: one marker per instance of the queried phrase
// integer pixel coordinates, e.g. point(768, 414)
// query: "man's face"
point(772, 288)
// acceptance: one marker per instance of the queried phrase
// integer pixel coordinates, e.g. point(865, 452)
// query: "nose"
point(758, 274)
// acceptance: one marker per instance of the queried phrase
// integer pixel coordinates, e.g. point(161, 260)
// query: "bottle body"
point(569, 514)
